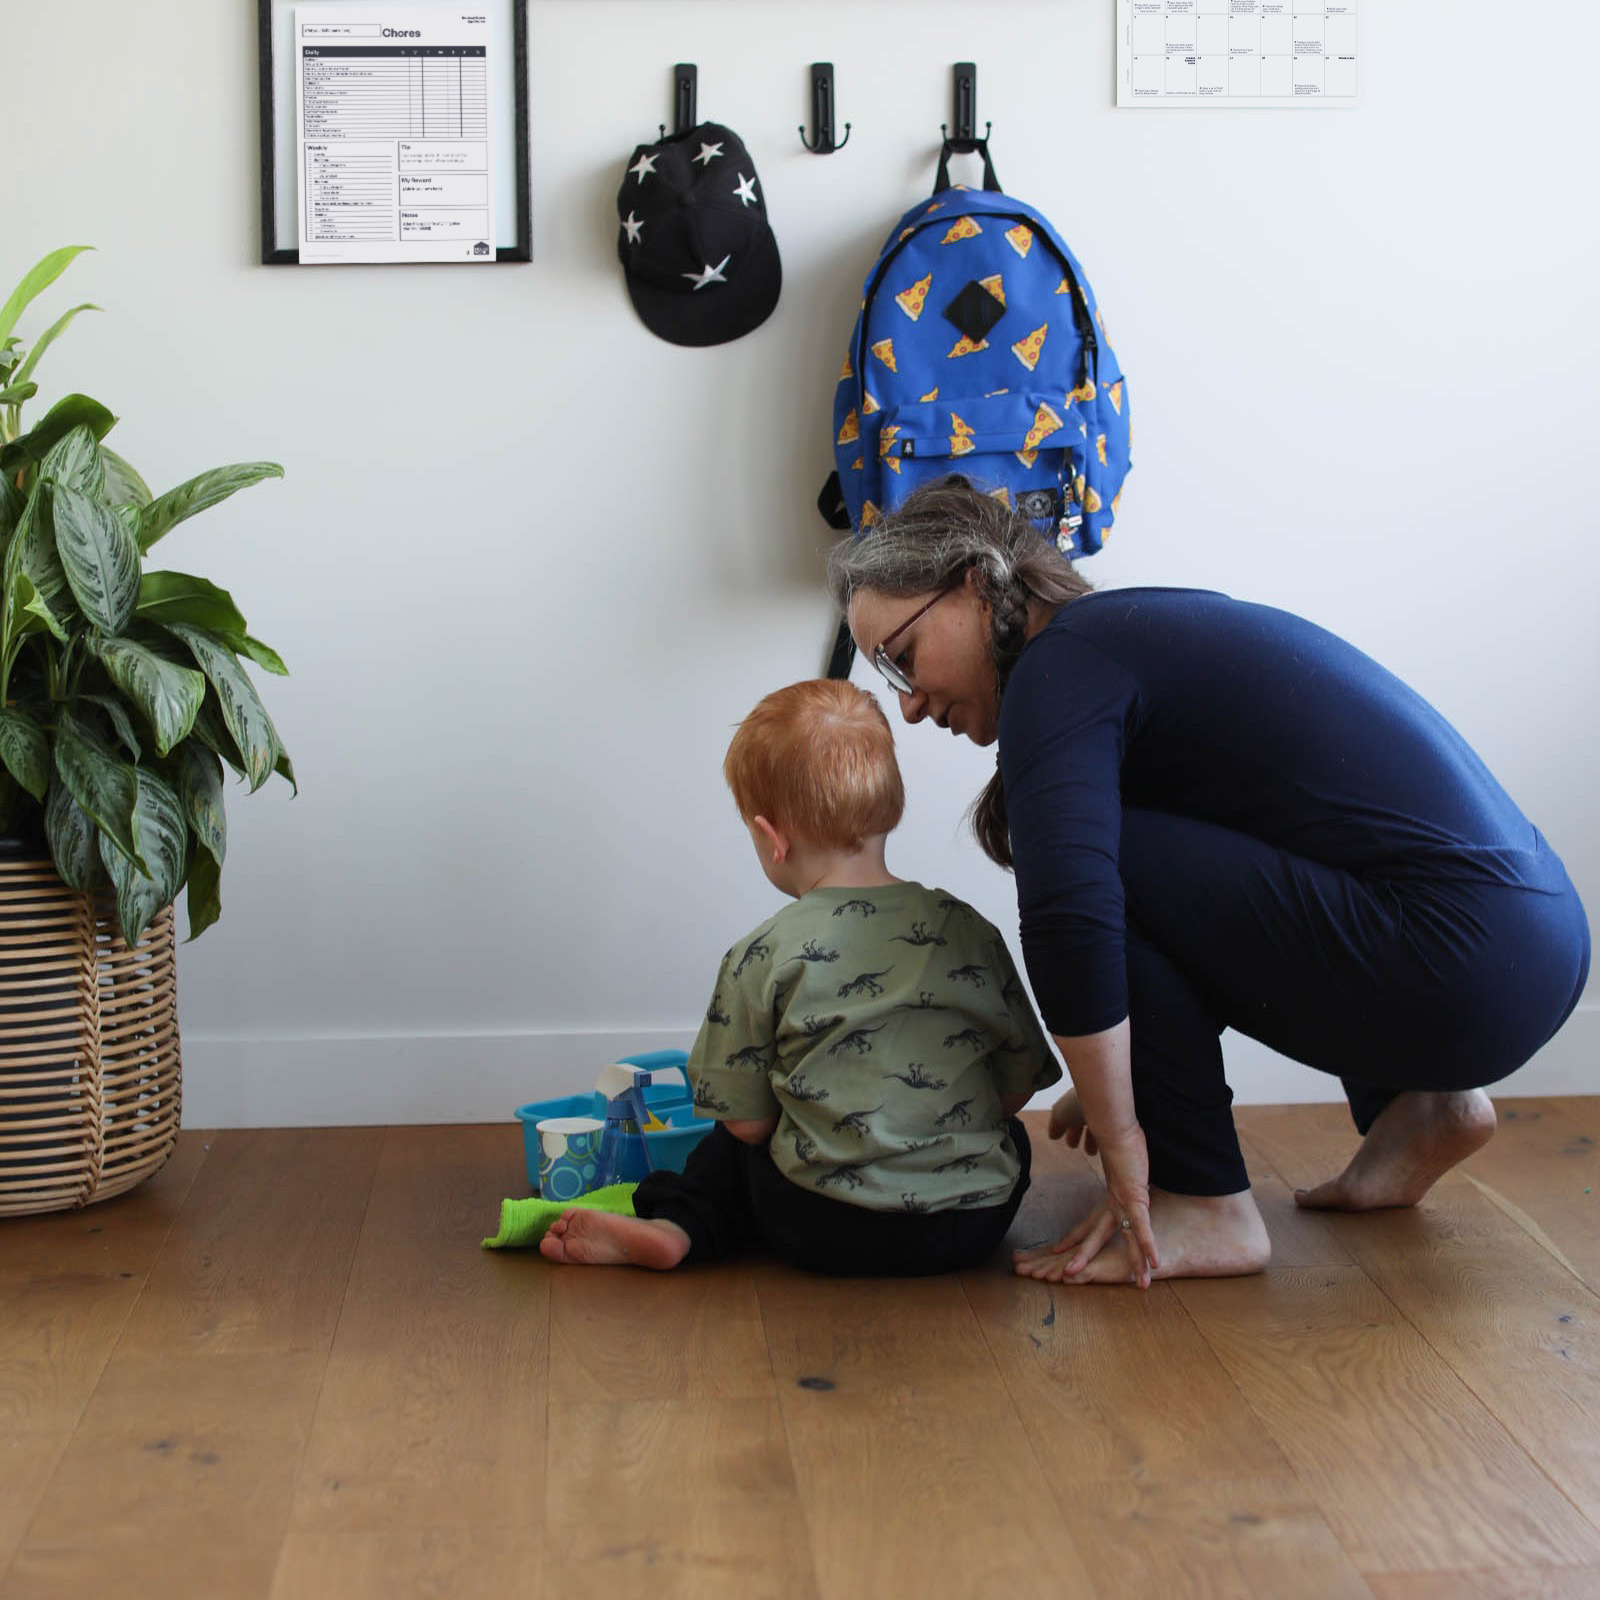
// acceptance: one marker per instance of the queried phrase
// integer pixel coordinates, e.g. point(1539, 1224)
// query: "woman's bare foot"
point(1416, 1139)
point(1197, 1236)
point(602, 1239)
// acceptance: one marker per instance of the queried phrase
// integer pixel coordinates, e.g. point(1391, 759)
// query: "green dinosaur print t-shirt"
point(882, 1026)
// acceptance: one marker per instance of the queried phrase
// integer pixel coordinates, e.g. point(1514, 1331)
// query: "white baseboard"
point(344, 1082)
point(409, 1078)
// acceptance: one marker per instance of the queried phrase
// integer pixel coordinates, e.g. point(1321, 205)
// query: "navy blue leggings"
point(1390, 986)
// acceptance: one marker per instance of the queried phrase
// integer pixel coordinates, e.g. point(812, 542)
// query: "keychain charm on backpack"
point(980, 350)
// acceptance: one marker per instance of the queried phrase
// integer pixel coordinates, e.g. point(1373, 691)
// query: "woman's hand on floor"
point(1125, 1209)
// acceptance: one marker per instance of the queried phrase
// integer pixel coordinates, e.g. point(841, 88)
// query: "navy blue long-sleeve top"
point(1193, 703)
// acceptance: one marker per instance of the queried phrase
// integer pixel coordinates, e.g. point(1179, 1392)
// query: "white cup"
point(569, 1156)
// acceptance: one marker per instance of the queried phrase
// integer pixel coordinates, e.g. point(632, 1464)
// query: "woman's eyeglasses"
point(894, 674)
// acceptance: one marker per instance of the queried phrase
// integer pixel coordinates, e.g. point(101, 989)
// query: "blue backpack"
point(980, 350)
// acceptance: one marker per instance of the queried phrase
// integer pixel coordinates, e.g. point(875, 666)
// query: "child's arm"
point(734, 1050)
point(1027, 1064)
point(1012, 1103)
point(755, 1132)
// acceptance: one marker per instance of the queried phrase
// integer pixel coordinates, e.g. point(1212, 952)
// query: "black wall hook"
point(965, 139)
point(685, 91)
point(822, 112)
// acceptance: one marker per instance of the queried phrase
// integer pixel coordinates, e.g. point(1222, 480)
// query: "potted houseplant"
point(123, 695)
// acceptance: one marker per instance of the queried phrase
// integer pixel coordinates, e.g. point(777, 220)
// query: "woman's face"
point(944, 654)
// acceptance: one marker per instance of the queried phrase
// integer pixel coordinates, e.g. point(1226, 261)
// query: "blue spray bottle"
point(624, 1155)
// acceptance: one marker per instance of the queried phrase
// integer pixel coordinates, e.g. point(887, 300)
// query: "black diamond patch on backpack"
point(975, 311)
point(1037, 504)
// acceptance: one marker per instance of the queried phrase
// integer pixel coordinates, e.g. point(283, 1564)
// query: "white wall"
point(530, 564)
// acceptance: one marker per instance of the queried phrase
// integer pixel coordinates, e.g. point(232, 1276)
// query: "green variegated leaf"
point(24, 751)
point(167, 694)
point(35, 281)
point(11, 504)
point(120, 720)
point(242, 711)
point(104, 786)
point(74, 840)
point(99, 557)
point(48, 338)
point(262, 654)
point(284, 767)
point(178, 597)
point(32, 553)
point(124, 486)
point(199, 494)
point(204, 902)
point(163, 846)
point(22, 613)
point(76, 410)
point(29, 612)
point(199, 774)
point(75, 462)
point(212, 732)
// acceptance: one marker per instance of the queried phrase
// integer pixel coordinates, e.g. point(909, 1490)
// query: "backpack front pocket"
point(1027, 448)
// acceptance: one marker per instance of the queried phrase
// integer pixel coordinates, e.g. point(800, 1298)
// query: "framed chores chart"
point(394, 131)
point(1237, 52)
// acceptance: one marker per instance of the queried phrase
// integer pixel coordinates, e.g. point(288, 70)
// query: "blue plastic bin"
point(669, 1147)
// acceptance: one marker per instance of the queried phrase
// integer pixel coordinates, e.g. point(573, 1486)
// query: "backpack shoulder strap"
point(959, 147)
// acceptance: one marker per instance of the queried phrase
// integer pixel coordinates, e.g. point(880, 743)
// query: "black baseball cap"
point(699, 257)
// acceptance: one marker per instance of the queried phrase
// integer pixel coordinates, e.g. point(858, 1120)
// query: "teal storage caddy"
point(672, 1102)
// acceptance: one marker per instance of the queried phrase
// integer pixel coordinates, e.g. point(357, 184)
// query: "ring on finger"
point(1127, 1223)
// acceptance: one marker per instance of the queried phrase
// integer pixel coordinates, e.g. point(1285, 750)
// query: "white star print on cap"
point(643, 165)
point(745, 188)
point(634, 227)
point(709, 153)
point(709, 274)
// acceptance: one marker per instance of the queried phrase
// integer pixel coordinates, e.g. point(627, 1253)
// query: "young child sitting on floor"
point(865, 1050)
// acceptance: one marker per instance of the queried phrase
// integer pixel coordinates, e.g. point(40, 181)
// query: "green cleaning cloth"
point(525, 1222)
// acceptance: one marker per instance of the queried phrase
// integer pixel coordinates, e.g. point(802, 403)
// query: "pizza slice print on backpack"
point(914, 297)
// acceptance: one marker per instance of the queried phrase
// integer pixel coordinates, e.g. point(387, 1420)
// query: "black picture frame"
point(275, 253)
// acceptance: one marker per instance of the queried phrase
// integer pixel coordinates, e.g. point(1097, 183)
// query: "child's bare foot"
point(1197, 1236)
point(1416, 1139)
point(602, 1239)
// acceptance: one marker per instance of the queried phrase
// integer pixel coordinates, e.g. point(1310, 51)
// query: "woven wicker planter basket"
point(89, 1063)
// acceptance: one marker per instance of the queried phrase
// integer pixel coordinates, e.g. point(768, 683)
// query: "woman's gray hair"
point(943, 530)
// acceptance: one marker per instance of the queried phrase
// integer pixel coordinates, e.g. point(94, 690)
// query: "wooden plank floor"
point(283, 1370)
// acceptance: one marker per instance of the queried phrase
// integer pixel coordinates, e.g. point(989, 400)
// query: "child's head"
point(817, 760)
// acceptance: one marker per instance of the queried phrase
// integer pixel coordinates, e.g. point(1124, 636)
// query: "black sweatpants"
point(1391, 986)
point(730, 1198)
